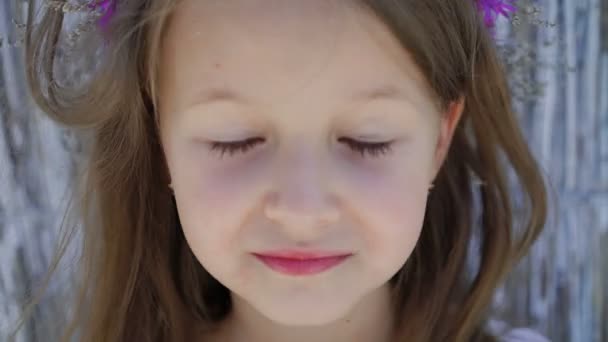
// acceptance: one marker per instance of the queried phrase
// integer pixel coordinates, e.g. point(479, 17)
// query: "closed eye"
point(372, 149)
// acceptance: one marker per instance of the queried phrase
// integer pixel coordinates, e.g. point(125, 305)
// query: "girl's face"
point(306, 80)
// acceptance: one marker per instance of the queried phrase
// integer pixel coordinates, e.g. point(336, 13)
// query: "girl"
point(293, 170)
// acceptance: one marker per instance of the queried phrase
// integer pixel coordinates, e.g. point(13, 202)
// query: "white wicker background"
point(560, 289)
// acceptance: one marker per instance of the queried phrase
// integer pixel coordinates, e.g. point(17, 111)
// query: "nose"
point(302, 202)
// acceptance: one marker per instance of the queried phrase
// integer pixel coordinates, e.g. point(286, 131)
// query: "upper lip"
point(301, 254)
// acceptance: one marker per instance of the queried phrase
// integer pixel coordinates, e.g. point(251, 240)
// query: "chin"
point(307, 313)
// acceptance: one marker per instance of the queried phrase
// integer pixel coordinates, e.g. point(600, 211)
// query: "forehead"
point(282, 52)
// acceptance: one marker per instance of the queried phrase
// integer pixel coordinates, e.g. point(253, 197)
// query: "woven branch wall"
point(561, 289)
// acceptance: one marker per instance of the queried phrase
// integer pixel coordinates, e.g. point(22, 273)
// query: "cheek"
point(392, 206)
point(394, 224)
point(209, 209)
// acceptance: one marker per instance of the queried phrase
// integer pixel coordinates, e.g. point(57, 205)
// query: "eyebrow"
point(224, 94)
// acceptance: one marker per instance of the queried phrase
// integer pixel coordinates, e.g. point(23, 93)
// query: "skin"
point(304, 68)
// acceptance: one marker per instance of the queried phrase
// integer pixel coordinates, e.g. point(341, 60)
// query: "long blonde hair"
point(139, 279)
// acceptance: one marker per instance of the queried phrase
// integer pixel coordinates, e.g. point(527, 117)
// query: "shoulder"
point(522, 335)
point(504, 333)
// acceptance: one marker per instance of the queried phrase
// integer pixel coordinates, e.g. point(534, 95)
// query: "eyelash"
point(373, 149)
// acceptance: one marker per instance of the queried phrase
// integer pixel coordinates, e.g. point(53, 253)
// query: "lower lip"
point(301, 266)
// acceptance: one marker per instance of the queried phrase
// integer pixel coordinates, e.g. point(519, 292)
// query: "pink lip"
point(301, 254)
point(301, 263)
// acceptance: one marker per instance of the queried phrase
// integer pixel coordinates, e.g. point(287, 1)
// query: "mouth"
point(300, 264)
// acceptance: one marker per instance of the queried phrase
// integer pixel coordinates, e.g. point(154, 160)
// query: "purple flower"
point(493, 8)
point(108, 7)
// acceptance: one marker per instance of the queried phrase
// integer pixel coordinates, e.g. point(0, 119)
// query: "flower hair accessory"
point(492, 9)
point(107, 8)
